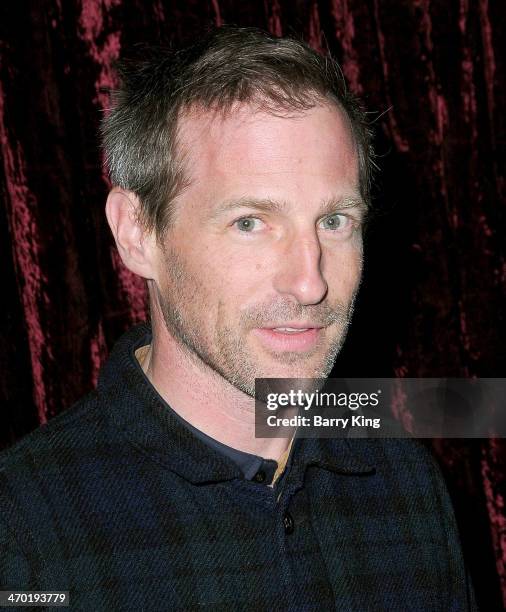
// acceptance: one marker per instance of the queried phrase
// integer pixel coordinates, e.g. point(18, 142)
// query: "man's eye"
point(335, 222)
point(247, 224)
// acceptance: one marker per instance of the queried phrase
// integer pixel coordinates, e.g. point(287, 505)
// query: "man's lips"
point(296, 325)
point(289, 336)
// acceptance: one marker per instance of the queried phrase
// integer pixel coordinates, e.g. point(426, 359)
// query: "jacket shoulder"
point(70, 429)
point(396, 451)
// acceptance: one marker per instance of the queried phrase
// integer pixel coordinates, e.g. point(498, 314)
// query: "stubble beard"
point(226, 353)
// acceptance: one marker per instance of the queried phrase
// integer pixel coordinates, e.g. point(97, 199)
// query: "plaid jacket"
point(119, 503)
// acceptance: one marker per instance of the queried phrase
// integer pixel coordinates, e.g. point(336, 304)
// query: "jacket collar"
point(135, 411)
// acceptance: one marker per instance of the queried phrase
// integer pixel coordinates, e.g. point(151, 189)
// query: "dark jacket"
point(119, 503)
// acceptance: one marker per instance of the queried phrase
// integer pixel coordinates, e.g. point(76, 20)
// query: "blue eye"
point(246, 224)
point(335, 222)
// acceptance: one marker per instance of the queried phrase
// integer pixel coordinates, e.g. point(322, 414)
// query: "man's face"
point(261, 265)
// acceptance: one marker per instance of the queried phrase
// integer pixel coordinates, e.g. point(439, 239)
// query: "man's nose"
point(299, 271)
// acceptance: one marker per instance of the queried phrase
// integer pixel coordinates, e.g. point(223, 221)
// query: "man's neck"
point(204, 398)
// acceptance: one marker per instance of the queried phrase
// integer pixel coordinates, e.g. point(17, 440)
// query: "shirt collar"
point(136, 411)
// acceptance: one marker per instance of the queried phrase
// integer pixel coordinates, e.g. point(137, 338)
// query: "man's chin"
point(283, 379)
point(292, 368)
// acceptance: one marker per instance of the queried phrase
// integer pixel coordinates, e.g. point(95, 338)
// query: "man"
point(240, 171)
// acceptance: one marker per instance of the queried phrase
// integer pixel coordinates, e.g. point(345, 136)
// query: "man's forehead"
point(247, 137)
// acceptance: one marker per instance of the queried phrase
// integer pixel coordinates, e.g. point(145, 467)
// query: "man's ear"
point(135, 245)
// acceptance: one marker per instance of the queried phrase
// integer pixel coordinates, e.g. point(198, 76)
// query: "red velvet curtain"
point(432, 74)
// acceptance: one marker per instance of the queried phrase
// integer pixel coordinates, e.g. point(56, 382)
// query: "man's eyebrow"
point(329, 206)
point(263, 204)
point(336, 204)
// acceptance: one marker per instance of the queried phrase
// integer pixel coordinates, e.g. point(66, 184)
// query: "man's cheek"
point(344, 279)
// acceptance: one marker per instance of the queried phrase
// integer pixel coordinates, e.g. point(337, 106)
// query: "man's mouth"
point(290, 330)
point(292, 337)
